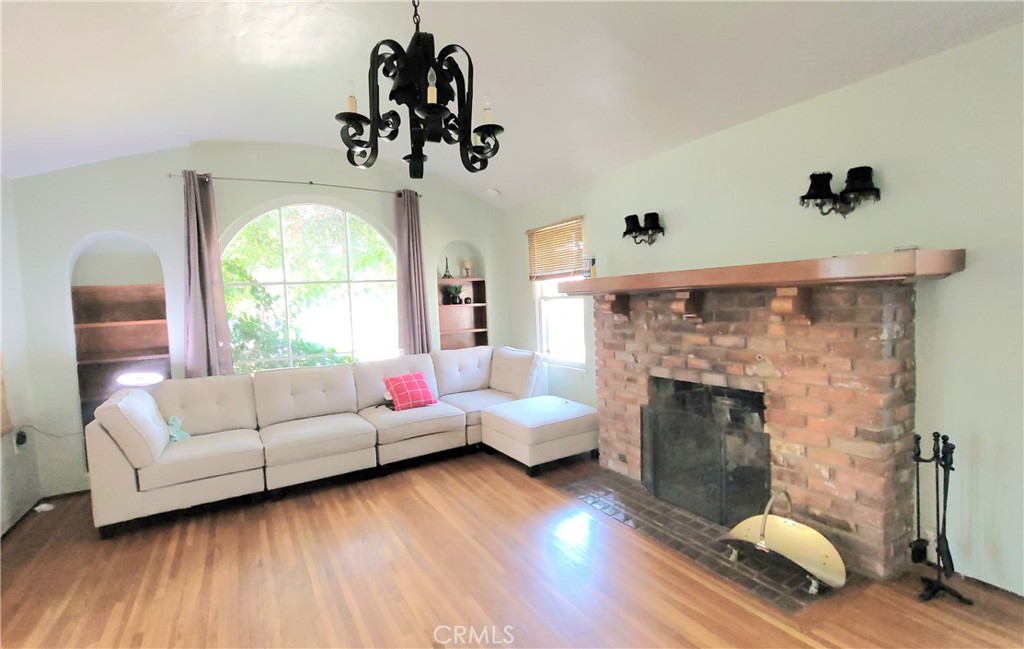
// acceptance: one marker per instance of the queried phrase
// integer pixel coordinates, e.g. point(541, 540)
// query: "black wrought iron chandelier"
point(426, 85)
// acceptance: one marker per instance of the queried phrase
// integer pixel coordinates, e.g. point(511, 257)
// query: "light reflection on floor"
point(572, 536)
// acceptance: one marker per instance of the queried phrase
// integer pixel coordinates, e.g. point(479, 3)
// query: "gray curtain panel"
point(413, 331)
point(207, 337)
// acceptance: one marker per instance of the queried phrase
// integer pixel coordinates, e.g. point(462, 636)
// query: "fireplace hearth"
point(704, 449)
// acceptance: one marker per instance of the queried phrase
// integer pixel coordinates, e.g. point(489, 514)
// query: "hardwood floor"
point(402, 560)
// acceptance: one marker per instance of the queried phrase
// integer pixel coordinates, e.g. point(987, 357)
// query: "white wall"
point(19, 473)
point(945, 138)
point(62, 213)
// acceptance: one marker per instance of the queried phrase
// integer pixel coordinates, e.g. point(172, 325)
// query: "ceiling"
point(580, 87)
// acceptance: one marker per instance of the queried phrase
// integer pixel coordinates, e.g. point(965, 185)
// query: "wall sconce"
point(647, 234)
point(859, 188)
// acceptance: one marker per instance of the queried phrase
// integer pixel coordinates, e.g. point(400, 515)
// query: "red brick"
point(766, 344)
point(780, 386)
point(858, 382)
point(805, 436)
point(830, 394)
point(830, 488)
point(860, 448)
point(802, 375)
point(698, 363)
point(880, 367)
point(734, 342)
point(807, 345)
point(744, 356)
point(833, 331)
point(785, 417)
point(712, 378)
point(832, 427)
point(828, 456)
point(695, 339)
point(748, 383)
point(691, 376)
point(811, 407)
point(785, 359)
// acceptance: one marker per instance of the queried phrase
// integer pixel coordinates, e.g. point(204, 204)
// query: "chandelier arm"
point(464, 96)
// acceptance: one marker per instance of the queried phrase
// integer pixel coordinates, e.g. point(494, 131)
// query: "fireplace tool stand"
point(942, 457)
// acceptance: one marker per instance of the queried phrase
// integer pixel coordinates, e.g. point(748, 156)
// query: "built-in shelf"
point(463, 325)
point(126, 355)
point(124, 323)
point(118, 329)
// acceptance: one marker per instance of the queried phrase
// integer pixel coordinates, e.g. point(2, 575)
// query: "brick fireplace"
point(835, 363)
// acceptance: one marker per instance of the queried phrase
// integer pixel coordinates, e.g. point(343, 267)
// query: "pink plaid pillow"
point(409, 391)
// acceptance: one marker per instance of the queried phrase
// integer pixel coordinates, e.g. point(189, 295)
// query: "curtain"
point(207, 337)
point(413, 333)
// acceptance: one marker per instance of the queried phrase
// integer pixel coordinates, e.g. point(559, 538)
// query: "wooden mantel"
point(899, 266)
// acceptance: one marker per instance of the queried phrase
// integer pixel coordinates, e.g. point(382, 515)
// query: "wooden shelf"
point(463, 325)
point(134, 355)
point(898, 266)
point(118, 329)
point(120, 323)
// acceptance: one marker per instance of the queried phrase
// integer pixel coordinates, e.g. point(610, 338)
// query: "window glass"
point(299, 292)
point(561, 322)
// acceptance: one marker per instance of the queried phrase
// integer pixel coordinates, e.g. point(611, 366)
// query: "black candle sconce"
point(646, 234)
point(860, 187)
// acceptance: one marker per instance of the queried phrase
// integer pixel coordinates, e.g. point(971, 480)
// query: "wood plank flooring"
point(404, 559)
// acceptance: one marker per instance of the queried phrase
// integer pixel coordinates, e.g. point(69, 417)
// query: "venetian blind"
point(556, 250)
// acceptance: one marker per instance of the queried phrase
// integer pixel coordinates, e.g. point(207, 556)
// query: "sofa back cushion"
point(462, 370)
point(370, 376)
point(136, 424)
point(301, 392)
point(515, 371)
point(210, 404)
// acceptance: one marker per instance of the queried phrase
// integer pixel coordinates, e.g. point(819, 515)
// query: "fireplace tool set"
point(942, 457)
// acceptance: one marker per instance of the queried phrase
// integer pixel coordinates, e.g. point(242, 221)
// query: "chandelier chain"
point(416, 14)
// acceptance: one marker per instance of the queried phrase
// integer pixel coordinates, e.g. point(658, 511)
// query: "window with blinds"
point(556, 250)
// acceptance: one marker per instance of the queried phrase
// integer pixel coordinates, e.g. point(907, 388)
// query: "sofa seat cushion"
point(204, 456)
point(476, 400)
point(539, 419)
point(316, 437)
point(394, 426)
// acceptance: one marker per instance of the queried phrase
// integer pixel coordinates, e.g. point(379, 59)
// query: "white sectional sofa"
point(249, 433)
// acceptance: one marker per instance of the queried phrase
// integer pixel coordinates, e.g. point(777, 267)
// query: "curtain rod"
point(307, 183)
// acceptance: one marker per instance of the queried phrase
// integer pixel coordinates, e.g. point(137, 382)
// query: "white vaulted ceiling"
point(581, 88)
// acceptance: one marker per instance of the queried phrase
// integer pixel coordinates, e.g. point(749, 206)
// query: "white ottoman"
point(540, 429)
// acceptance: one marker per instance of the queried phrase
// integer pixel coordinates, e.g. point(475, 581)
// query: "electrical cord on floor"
point(48, 433)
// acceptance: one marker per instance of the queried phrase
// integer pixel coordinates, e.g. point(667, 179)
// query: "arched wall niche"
point(119, 315)
point(112, 258)
point(455, 254)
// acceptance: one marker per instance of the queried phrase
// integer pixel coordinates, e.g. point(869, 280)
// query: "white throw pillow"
point(134, 421)
point(514, 371)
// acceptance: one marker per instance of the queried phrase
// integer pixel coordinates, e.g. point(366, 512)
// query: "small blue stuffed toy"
point(177, 434)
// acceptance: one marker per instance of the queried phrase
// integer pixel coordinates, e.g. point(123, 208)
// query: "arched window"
point(309, 285)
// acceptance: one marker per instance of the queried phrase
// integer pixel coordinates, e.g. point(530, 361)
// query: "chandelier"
point(425, 84)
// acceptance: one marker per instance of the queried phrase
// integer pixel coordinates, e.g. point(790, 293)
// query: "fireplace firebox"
point(703, 448)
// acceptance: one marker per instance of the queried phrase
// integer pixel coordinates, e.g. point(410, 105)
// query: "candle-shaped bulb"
point(488, 114)
point(431, 86)
point(350, 105)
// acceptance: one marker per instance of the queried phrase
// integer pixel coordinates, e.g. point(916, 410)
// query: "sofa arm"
point(540, 384)
point(112, 478)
